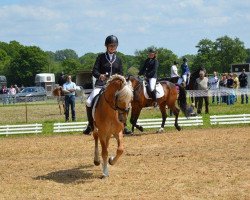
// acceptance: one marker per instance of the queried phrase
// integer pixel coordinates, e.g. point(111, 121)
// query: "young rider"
point(185, 72)
point(106, 65)
point(150, 71)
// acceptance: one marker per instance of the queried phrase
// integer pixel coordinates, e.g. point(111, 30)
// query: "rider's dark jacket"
point(103, 65)
point(150, 68)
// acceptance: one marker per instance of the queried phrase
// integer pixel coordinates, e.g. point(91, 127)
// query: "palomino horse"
point(168, 99)
point(110, 113)
point(59, 93)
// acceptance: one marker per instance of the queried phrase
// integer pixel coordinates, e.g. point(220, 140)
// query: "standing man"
point(69, 89)
point(106, 65)
point(174, 72)
point(243, 86)
point(185, 72)
point(202, 84)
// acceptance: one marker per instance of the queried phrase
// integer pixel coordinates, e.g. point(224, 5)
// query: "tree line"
point(21, 63)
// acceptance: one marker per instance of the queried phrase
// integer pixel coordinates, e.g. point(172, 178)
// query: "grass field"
point(48, 113)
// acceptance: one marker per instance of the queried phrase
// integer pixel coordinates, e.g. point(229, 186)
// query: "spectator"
point(191, 110)
point(69, 89)
point(243, 86)
point(202, 84)
point(174, 72)
point(230, 96)
point(4, 92)
point(61, 79)
point(236, 85)
point(223, 85)
point(12, 94)
point(17, 88)
point(214, 86)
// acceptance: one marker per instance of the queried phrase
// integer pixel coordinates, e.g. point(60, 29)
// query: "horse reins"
point(116, 107)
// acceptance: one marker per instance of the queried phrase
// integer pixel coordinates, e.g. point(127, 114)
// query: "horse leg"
point(176, 113)
point(96, 153)
point(120, 148)
point(105, 171)
point(135, 113)
point(163, 116)
point(64, 108)
point(60, 108)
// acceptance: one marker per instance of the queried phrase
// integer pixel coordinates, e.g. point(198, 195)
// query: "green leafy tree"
point(71, 66)
point(229, 51)
point(28, 62)
point(206, 56)
point(87, 61)
point(248, 56)
point(4, 61)
point(61, 55)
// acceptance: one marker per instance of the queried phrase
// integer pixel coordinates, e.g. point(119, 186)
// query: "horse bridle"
point(116, 107)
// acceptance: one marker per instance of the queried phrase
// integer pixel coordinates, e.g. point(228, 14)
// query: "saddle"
point(147, 91)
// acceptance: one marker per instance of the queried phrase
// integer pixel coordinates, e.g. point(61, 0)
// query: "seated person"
point(191, 110)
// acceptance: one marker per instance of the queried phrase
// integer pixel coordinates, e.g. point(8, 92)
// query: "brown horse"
point(110, 113)
point(168, 99)
point(59, 93)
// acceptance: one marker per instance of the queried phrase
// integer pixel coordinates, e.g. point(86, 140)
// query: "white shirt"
point(68, 86)
point(174, 71)
point(214, 83)
point(111, 56)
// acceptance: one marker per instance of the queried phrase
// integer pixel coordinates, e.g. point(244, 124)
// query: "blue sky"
point(82, 25)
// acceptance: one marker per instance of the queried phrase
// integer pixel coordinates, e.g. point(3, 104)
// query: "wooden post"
point(26, 110)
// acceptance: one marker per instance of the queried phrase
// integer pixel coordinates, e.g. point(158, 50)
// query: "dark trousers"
point(70, 101)
point(244, 94)
point(200, 103)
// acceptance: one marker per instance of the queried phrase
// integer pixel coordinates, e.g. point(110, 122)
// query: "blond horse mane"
point(124, 94)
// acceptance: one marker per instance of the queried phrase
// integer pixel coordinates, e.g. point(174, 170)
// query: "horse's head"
point(135, 81)
point(123, 95)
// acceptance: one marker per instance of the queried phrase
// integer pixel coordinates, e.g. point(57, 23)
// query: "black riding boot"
point(153, 93)
point(126, 131)
point(90, 126)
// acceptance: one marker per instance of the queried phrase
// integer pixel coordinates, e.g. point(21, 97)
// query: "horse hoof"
point(97, 163)
point(140, 128)
point(104, 176)
point(111, 160)
point(160, 130)
point(178, 128)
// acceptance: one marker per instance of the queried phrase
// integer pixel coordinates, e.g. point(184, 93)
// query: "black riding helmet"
point(185, 59)
point(111, 39)
point(151, 50)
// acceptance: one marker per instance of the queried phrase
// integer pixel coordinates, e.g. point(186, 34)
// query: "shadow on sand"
point(77, 175)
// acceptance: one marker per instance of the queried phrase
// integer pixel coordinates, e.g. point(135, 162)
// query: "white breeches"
point(152, 83)
point(92, 95)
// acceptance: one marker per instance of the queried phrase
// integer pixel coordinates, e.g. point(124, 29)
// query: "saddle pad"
point(159, 91)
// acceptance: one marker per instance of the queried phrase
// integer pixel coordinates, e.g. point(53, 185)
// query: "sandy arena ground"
point(191, 164)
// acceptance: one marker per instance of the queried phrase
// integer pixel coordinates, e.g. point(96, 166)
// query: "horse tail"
point(182, 99)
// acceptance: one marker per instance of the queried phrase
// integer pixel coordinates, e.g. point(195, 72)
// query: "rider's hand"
point(102, 77)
